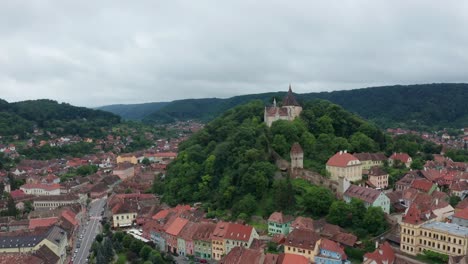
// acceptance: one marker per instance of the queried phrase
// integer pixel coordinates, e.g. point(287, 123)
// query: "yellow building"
point(125, 213)
point(23, 242)
point(419, 232)
point(218, 246)
point(127, 158)
point(346, 165)
point(302, 242)
point(369, 160)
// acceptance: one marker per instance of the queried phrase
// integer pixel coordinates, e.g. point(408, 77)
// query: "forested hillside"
point(412, 106)
point(21, 118)
point(228, 164)
point(133, 111)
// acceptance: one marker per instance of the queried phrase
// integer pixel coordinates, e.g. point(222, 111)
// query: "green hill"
point(228, 163)
point(421, 106)
point(21, 118)
point(133, 111)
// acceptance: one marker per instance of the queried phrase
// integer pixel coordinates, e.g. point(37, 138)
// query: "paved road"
point(91, 229)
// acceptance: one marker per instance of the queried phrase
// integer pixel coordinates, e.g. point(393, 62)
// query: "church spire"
point(290, 100)
point(274, 102)
point(290, 90)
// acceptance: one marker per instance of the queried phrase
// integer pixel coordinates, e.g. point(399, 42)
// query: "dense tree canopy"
point(62, 119)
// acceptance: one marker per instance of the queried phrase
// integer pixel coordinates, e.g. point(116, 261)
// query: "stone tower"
point(297, 157)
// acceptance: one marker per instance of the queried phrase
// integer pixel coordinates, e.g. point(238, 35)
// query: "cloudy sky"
point(93, 53)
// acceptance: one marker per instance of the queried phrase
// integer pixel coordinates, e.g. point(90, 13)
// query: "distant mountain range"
point(423, 105)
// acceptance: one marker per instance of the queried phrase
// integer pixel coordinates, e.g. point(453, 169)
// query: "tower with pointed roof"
point(289, 109)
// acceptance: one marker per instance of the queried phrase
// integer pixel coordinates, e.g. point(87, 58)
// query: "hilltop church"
point(289, 110)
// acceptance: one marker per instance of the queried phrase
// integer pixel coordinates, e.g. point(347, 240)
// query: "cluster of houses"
point(442, 138)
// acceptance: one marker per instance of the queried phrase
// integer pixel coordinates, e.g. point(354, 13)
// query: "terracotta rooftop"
point(462, 214)
point(303, 223)
point(423, 185)
point(341, 159)
point(304, 239)
point(220, 230)
point(416, 216)
point(38, 222)
point(280, 218)
point(403, 157)
point(176, 226)
point(384, 254)
point(241, 255)
point(238, 232)
point(287, 258)
point(271, 111)
point(368, 195)
point(333, 247)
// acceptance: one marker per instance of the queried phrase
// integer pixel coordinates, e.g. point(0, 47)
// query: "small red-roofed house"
point(382, 255)
point(402, 157)
point(172, 232)
point(278, 223)
point(330, 252)
point(344, 164)
point(218, 245)
point(239, 235)
point(461, 217)
point(41, 189)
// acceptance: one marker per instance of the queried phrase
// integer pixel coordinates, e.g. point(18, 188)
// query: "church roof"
point(290, 100)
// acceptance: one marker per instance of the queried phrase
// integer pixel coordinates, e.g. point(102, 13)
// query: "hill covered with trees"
point(133, 111)
point(411, 106)
point(21, 118)
point(228, 164)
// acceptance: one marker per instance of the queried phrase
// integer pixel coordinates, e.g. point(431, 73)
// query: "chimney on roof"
point(341, 152)
point(345, 151)
point(376, 244)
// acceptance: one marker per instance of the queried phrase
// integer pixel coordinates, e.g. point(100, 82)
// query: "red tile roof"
point(161, 214)
point(415, 216)
point(42, 222)
point(241, 255)
point(384, 254)
point(368, 195)
point(304, 239)
point(403, 157)
point(278, 217)
point(341, 159)
point(463, 214)
point(166, 155)
point(238, 232)
point(176, 226)
point(423, 185)
point(303, 223)
point(17, 194)
point(288, 258)
point(70, 217)
point(333, 247)
point(220, 230)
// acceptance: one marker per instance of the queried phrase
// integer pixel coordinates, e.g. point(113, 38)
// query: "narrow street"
point(89, 231)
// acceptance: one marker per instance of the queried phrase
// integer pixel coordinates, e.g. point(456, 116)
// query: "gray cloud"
point(102, 52)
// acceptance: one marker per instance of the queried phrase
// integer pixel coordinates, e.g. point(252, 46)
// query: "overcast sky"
point(93, 53)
